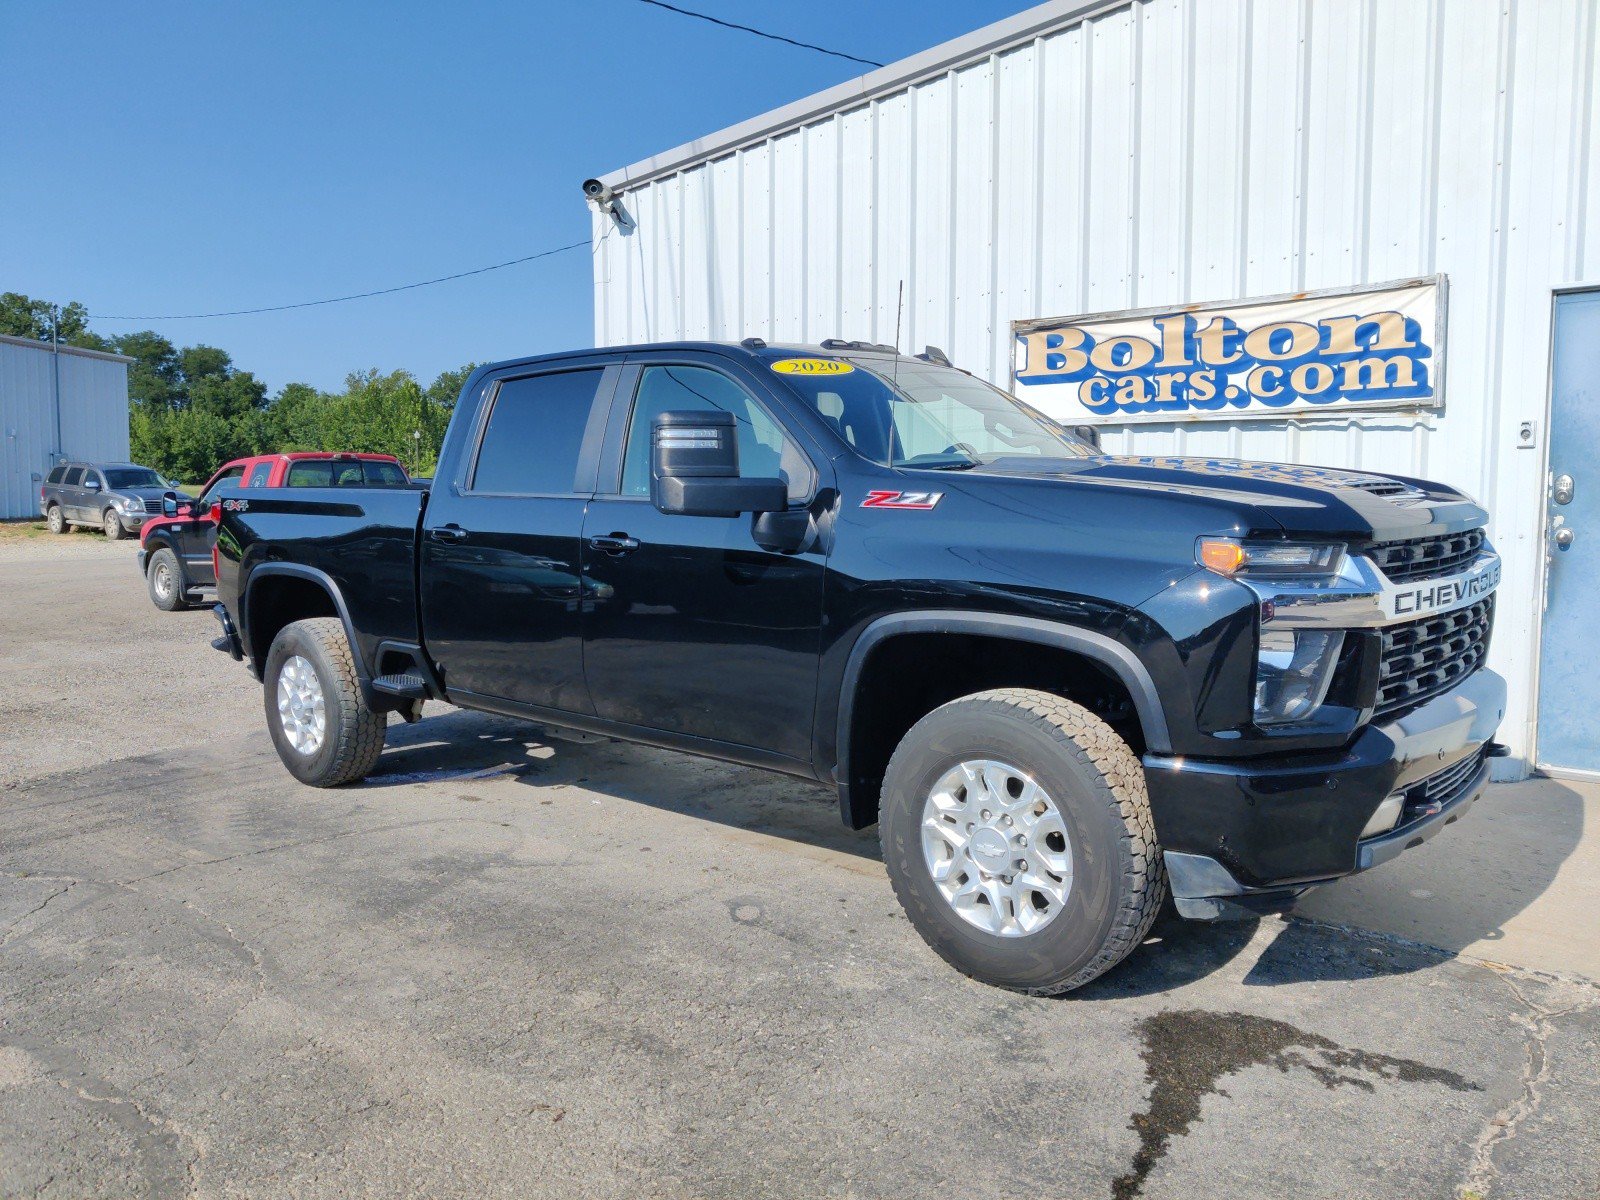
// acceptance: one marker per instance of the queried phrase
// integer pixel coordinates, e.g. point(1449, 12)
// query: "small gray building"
point(56, 402)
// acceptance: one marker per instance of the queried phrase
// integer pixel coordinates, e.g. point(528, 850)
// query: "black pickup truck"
point(1061, 682)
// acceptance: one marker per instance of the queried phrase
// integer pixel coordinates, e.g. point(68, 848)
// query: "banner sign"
point(1330, 353)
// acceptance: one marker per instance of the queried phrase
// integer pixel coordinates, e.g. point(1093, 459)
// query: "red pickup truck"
point(175, 548)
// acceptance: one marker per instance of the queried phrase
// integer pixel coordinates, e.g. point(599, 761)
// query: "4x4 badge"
point(922, 500)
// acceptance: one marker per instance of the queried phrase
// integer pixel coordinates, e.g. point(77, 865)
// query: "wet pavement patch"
point(1187, 1052)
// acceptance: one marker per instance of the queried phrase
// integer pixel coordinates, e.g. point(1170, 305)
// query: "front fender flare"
point(1111, 654)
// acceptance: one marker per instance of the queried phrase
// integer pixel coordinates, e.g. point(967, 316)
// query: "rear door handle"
point(614, 543)
point(447, 533)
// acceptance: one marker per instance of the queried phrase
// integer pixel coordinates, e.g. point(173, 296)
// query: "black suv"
point(116, 497)
point(1059, 680)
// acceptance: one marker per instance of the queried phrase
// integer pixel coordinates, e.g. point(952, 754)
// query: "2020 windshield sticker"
point(911, 500)
point(811, 366)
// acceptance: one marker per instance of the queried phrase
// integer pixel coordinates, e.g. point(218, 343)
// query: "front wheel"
point(112, 524)
point(1018, 837)
point(324, 734)
point(164, 580)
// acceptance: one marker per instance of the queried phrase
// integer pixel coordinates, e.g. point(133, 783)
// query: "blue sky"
point(191, 157)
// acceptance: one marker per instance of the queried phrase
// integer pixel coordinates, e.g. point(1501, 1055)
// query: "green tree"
point(21, 316)
point(153, 379)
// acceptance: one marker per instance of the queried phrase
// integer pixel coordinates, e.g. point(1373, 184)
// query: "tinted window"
point(230, 474)
point(133, 477)
point(384, 474)
point(535, 433)
point(764, 451)
point(326, 472)
point(259, 474)
point(55, 475)
point(74, 476)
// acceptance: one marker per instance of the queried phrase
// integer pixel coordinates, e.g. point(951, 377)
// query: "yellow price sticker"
point(811, 366)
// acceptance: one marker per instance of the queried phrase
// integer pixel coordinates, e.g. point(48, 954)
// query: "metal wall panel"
point(1112, 156)
point(94, 416)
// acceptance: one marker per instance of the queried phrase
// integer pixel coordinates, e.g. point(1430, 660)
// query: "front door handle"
point(447, 533)
point(614, 543)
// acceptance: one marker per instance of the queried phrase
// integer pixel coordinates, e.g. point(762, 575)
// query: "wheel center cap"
point(989, 848)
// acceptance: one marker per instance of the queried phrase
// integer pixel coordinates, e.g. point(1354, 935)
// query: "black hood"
point(1354, 506)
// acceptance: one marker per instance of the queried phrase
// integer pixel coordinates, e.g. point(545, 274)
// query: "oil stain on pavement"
point(1187, 1052)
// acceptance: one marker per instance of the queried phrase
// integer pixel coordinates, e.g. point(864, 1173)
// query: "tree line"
point(190, 409)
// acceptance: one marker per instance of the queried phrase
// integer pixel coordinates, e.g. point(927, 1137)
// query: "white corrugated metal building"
point(1086, 158)
point(56, 403)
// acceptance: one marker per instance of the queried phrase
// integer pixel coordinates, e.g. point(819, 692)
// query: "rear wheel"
point(1018, 836)
point(112, 524)
point(56, 520)
point(164, 581)
point(324, 734)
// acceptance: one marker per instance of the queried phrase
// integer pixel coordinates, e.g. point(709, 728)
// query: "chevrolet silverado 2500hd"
point(1061, 682)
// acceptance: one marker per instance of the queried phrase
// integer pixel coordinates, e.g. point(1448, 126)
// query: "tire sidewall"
point(166, 558)
point(1100, 856)
point(111, 525)
point(56, 519)
point(307, 768)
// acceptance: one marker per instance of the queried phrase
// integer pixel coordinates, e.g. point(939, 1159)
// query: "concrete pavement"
point(509, 966)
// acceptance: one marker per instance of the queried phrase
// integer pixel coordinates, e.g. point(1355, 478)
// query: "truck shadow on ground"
point(461, 746)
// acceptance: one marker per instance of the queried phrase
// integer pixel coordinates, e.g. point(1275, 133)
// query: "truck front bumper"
point(1248, 837)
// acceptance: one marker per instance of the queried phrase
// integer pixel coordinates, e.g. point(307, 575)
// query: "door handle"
point(614, 543)
point(447, 533)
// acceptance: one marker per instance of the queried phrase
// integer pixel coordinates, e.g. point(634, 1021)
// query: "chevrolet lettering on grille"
point(1443, 595)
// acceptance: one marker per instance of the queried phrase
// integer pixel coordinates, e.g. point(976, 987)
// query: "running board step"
point(410, 685)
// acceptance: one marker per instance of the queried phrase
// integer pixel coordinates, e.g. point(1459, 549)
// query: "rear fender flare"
point(326, 582)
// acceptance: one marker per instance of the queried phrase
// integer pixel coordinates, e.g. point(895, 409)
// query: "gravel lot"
point(516, 967)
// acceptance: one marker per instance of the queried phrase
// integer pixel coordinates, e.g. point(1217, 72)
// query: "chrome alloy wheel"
point(301, 709)
point(997, 848)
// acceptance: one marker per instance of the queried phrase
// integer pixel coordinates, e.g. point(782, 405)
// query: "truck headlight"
point(130, 504)
point(1293, 672)
point(1301, 561)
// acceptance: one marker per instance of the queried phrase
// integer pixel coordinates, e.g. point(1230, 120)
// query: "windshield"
point(133, 477)
point(919, 414)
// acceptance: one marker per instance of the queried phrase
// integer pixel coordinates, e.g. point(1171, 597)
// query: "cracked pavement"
point(509, 966)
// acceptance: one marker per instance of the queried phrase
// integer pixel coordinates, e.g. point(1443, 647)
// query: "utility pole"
point(55, 362)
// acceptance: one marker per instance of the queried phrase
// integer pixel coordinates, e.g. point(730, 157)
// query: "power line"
point(776, 37)
point(404, 287)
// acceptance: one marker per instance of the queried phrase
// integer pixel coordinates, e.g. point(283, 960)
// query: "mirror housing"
point(1089, 433)
point(92, 484)
point(174, 505)
point(694, 469)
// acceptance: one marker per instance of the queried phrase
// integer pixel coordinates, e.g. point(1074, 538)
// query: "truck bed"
point(363, 540)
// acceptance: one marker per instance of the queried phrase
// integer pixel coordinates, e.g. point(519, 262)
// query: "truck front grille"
point(1429, 656)
point(152, 506)
point(1427, 557)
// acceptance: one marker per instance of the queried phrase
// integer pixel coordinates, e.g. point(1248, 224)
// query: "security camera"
point(596, 191)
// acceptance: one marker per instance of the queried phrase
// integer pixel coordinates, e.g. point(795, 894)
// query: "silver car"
point(116, 497)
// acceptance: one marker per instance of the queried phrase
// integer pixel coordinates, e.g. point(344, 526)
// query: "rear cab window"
point(533, 441)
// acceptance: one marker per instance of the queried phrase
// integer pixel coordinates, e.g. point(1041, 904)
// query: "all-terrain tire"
point(163, 578)
point(353, 734)
point(56, 520)
point(111, 524)
point(1097, 784)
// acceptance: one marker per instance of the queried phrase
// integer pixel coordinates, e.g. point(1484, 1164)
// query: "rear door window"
point(227, 476)
point(535, 434)
point(74, 477)
point(259, 475)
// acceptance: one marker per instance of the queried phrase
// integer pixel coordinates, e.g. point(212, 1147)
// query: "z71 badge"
point(915, 500)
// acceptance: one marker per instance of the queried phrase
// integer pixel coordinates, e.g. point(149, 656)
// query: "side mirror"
point(694, 469)
point(1089, 433)
point(174, 483)
point(174, 505)
point(92, 484)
